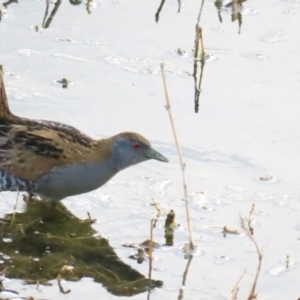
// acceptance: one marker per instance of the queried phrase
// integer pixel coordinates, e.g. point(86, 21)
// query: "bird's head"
point(129, 148)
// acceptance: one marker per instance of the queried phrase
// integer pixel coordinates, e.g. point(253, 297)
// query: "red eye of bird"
point(136, 146)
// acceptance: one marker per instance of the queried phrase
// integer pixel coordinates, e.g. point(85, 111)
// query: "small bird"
point(53, 160)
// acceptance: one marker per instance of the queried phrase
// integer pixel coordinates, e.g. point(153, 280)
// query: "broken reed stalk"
point(287, 261)
point(179, 5)
point(159, 10)
point(181, 290)
point(46, 13)
point(236, 288)
point(182, 164)
point(88, 6)
point(198, 40)
point(253, 294)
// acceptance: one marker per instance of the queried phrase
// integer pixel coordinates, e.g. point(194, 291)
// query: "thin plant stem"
point(200, 12)
point(46, 12)
point(179, 5)
point(181, 291)
point(151, 249)
point(15, 208)
point(159, 10)
point(253, 294)
point(182, 164)
point(235, 289)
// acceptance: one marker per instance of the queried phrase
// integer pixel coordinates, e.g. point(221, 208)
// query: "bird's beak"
point(153, 154)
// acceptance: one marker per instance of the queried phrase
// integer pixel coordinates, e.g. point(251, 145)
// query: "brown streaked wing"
point(29, 152)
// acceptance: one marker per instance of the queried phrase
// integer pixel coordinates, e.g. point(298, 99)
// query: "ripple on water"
point(16, 94)
point(64, 39)
point(261, 213)
point(96, 43)
point(260, 104)
point(204, 202)
point(8, 73)
point(64, 82)
point(218, 29)
point(243, 10)
point(283, 266)
point(235, 188)
point(282, 200)
point(249, 12)
point(219, 50)
point(266, 179)
point(257, 56)
point(155, 70)
point(273, 36)
point(181, 251)
point(159, 185)
point(241, 158)
point(92, 4)
point(115, 60)
point(159, 269)
point(260, 196)
point(277, 271)
point(26, 52)
point(198, 197)
point(289, 12)
point(296, 2)
point(222, 259)
point(179, 53)
point(40, 95)
point(72, 58)
point(204, 207)
point(208, 58)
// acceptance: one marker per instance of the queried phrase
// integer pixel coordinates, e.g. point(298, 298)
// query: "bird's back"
point(30, 149)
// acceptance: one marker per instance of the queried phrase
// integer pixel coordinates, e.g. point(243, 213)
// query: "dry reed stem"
point(159, 10)
point(287, 261)
point(182, 164)
point(249, 219)
point(158, 213)
point(200, 12)
point(198, 40)
point(158, 210)
point(46, 13)
point(15, 209)
point(179, 5)
point(253, 294)
point(202, 45)
point(150, 255)
point(236, 288)
point(181, 292)
point(199, 37)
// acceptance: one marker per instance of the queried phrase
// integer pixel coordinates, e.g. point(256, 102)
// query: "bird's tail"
point(11, 183)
